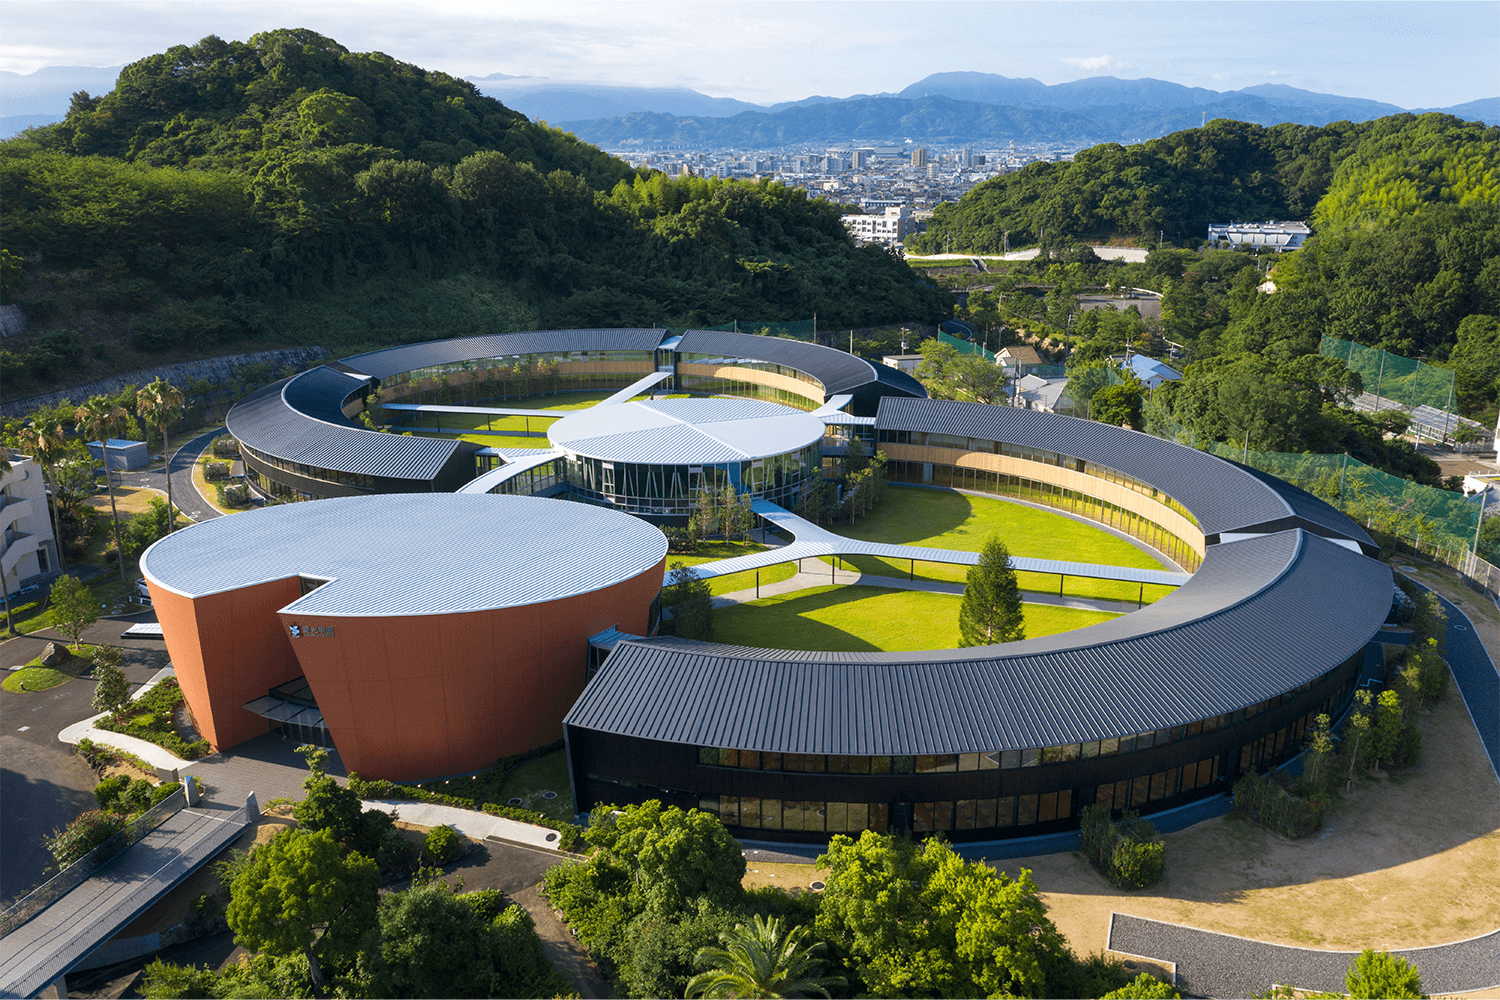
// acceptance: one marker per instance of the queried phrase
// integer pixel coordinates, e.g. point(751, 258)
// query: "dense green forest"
point(285, 190)
point(1228, 170)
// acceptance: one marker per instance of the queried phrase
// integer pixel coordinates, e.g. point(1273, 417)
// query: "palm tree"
point(758, 961)
point(102, 419)
point(159, 404)
point(48, 445)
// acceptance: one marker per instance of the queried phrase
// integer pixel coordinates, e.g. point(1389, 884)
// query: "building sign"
point(299, 631)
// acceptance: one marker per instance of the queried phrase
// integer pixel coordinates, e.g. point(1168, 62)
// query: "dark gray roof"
point(1222, 495)
point(321, 393)
point(266, 422)
point(1259, 618)
point(410, 357)
point(839, 372)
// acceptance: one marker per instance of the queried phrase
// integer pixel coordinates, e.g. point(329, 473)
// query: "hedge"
point(1127, 852)
point(1261, 799)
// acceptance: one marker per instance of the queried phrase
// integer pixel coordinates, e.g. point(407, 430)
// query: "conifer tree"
point(991, 609)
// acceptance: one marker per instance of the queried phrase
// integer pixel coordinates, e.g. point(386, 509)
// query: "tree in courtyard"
point(991, 608)
point(672, 854)
point(917, 920)
point(73, 607)
point(433, 944)
point(691, 602)
point(1356, 734)
point(761, 959)
point(102, 418)
point(159, 404)
point(111, 689)
point(300, 893)
point(1379, 974)
point(1320, 756)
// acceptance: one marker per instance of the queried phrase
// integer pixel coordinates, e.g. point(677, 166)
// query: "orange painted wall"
point(228, 649)
point(425, 695)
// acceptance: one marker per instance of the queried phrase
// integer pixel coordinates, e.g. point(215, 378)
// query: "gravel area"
point(1222, 965)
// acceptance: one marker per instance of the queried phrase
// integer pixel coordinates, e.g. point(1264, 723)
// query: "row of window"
point(709, 385)
point(510, 362)
point(532, 481)
point(760, 366)
point(1036, 455)
point(271, 488)
point(508, 384)
point(963, 814)
point(358, 481)
point(632, 482)
point(1001, 760)
point(1050, 495)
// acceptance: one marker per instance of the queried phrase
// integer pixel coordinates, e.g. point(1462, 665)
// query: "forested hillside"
point(1228, 171)
point(287, 191)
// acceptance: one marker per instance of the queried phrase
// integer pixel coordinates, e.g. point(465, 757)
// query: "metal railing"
point(81, 870)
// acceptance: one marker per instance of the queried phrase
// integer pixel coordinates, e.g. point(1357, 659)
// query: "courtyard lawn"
point(948, 520)
point(532, 780)
point(518, 432)
point(714, 551)
point(865, 619)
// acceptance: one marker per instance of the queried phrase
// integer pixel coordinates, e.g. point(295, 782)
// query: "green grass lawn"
point(34, 679)
point(948, 520)
point(714, 551)
point(549, 409)
point(544, 774)
point(861, 619)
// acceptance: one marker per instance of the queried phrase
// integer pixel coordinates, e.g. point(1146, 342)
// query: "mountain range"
point(947, 107)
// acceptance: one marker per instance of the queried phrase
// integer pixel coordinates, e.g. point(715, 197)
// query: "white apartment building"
point(27, 547)
point(888, 229)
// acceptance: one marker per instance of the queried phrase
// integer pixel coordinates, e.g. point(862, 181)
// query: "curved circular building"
point(421, 635)
point(1148, 711)
point(656, 456)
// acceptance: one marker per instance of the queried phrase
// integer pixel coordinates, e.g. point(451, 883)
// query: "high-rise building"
point(860, 158)
point(919, 157)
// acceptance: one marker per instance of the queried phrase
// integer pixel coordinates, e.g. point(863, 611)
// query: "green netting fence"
point(1390, 376)
point(965, 346)
point(1424, 517)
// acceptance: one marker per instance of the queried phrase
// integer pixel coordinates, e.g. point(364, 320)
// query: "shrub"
point(1127, 852)
point(233, 495)
point(215, 471)
point(109, 789)
point(1261, 799)
point(226, 447)
point(488, 903)
point(82, 835)
point(442, 844)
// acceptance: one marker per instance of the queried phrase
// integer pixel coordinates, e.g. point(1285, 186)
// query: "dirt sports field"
point(1404, 862)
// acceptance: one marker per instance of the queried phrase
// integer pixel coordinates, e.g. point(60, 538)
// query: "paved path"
point(185, 495)
point(826, 575)
point(1210, 964)
point(477, 825)
point(36, 953)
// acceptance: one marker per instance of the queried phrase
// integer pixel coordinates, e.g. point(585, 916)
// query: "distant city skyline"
point(1411, 54)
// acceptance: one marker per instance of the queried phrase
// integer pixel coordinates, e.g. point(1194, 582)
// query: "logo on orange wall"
point(298, 631)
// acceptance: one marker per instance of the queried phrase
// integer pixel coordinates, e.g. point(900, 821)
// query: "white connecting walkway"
point(812, 542)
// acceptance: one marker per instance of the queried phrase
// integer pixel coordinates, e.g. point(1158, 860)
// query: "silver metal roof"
point(1259, 618)
point(411, 553)
point(685, 431)
point(1222, 495)
point(395, 360)
point(514, 466)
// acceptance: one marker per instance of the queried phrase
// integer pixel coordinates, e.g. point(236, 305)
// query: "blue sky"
point(1422, 54)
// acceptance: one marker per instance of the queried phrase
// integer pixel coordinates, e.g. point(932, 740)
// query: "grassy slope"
point(949, 520)
point(860, 618)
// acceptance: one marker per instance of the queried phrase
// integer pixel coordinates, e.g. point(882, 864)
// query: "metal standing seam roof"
point(686, 431)
point(1259, 618)
point(1223, 496)
point(514, 466)
point(265, 422)
point(395, 360)
point(411, 553)
point(837, 371)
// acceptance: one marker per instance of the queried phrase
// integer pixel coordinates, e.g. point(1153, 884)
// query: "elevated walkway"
point(813, 542)
point(43, 949)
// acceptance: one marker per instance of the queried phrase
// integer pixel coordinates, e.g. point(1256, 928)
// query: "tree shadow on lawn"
point(781, 622)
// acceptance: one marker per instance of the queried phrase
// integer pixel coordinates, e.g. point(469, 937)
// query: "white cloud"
point(1095, 63)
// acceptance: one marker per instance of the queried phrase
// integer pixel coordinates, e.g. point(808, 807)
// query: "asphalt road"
point(185, 495)
point(43, 784)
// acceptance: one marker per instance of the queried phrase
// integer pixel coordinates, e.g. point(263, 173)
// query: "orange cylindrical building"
point(435, 632)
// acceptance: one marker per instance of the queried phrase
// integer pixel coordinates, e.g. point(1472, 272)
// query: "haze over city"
point(1414, 55)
